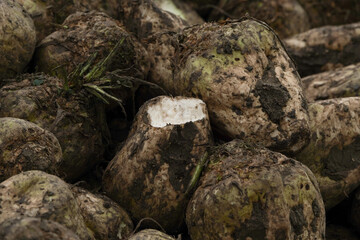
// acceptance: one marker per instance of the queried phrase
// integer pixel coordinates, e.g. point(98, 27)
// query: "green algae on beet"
point(250, 192)
point(41, 195)
point(243, 73)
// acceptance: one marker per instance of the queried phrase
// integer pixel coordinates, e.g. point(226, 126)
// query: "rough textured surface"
point(106, 219)
point(74, 118)
point(242, 72)
point(162, 47)
point(333, 153)
point(181, 9)
point(150, 234)
point(331, 12)
point(17, 39)
point(85, 34)
point(29, 228)
point(286, 17)
point(341, 82)
point(49, 15)
point(149, 176)
point(355, 211)
point(248, 192)
point(325, 48)
point(25, 146)
point(41, 195)
point(144, 18)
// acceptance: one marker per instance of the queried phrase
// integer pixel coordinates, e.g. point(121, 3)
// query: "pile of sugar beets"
point(134, 119)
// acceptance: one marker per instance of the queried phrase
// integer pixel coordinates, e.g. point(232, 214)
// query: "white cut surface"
point(176, 111)
point(296, 43)
point(168, 5)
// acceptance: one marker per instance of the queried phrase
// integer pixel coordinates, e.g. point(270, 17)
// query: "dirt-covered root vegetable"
point(30, 228)
point(250, 192)
point(86, 34)
point(181, 9)
point(41, 195)
point(152, 175)
point(162, 63)
point(144, 18)
point(151, 234)
point(17, 39)
point(106, 219)
point(49, 15)
point(341, 82)
point(286, 17)
point(355, 211)
point(242, 72)
point(74, 118)
point(325, 48)
point(26, 146)
point(333, 12)
point(333, 151)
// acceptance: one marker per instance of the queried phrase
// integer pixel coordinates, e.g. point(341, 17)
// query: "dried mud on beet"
point(17, 39)
point(156, 20)
point(26, 146)
point(106, 219)
point(27, 228)
point(251, 192)
point(150, 234)
point(41, 195)
point(151, 174)
point(333, 151)
point(49, 15)
point(338, 83)
point(286, 17)
point(331, 12)
point(233, 76)
point(87, 34)
point(74, 118)
point(325, 48)
point(244, 75)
